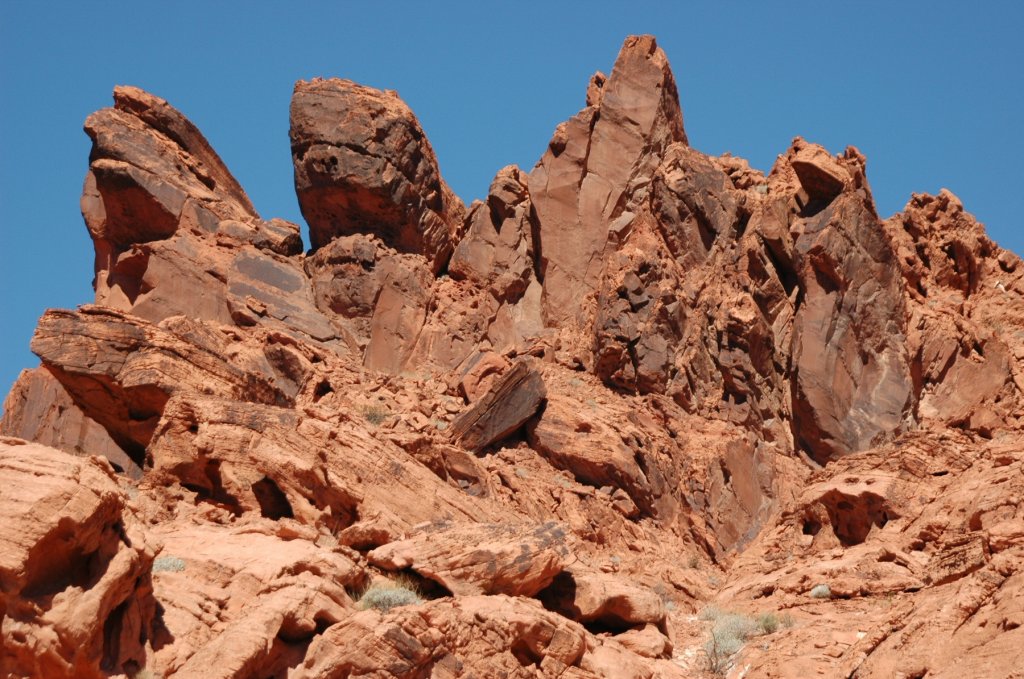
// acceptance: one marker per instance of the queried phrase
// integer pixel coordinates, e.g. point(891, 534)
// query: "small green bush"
point(821, 591)
point(383, 596)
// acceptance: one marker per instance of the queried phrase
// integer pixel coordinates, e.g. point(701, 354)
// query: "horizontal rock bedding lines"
point(631, 383)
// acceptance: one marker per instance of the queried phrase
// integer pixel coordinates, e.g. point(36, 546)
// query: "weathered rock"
point(121, 370)
point(149, 166)
point(603, 599)
point(510, 402)
point(481, 374)
point(593, 163)
point(497, 251)
point(851, 371)
point(897, 534)
point(489, 636)
point(75, 592)
point(364, 165)
point(175, 234)
point(39, 409)
point(730, 387)
point(647, 641)
point(481, 558)
point(969, 368)
point(271, 461)
point(242, 602)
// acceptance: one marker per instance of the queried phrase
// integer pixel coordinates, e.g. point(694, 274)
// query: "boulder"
point(364, 165)
point(510, 402)
point(604, 599)
point(481, 558)
point(485, 635)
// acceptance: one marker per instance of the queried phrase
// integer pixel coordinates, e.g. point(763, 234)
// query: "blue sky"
point(931, 92)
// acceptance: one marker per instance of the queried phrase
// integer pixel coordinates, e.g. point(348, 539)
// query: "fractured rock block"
point(509, 403)
point(481, 558)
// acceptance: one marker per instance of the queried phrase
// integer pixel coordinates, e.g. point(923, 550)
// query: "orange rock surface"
point(642, 412)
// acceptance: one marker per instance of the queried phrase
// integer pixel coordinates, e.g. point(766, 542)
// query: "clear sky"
point(932, 92)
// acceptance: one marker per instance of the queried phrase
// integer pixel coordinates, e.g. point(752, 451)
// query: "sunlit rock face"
point(528, 437)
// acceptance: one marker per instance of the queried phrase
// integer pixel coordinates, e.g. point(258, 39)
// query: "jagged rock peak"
point(596, 164)
point(150, 167)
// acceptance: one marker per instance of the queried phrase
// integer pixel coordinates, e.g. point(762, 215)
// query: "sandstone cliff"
point(633, 384)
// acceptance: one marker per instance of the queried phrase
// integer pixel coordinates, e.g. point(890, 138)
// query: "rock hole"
point(112, 638)
point(741, 225)
point(211, 489)
point(786, 275)
point(726, 474)
point(560, 596)
point(524, 654)
point(811, 527)
point(813, 206)
point(853, 517)
point(272, 500)
point(826, 277)
point(321, 390)
point(707, 234)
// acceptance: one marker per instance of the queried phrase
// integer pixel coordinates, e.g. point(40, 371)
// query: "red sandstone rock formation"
point(633, 383)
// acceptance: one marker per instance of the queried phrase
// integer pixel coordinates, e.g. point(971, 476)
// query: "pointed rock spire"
point(594, 163)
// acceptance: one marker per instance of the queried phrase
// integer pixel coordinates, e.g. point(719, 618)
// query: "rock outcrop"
point(76, 595)
point(528, 437)
point(364, 165)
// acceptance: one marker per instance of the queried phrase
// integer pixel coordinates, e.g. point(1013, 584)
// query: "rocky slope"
point(633, 384)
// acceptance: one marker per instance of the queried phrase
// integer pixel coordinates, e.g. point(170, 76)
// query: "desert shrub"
point(384, 596)
point(731, 630)
point(768, 623)
point(728, 634)
point(168, 564)
point(374, 414)
point(821, 591)
point(710, 613)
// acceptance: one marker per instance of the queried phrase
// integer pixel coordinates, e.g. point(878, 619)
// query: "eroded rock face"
point(593, 163)
point(481, 558)
point(493, 635)
point(633, 382)
point(364, 165)
point(76, 596)
point(39, 409)
point(851, 367)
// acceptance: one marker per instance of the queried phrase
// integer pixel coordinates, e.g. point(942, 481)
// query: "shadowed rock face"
point(629, 383)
